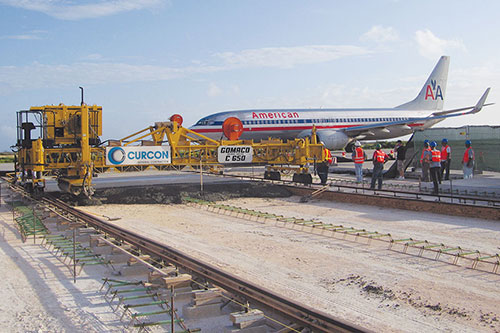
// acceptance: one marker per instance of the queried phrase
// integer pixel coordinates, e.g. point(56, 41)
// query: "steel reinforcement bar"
point(475, 257)
point(307, 317)
point(394, 196)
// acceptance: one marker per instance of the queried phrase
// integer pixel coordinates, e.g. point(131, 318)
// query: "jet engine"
point(333, 140)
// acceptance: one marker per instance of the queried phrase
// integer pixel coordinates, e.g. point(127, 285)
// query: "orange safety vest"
point(328, 156)
point(422, 156)
point(444, 153)
point(436, 155)
point(379, 156)
point(360, 156)
point(466, 155)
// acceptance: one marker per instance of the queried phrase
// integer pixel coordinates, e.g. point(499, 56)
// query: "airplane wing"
point(369, 130)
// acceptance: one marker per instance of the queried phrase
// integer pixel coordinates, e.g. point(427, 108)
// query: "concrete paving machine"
point(64, 142)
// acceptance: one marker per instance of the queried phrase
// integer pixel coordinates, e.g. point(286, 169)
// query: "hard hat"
point(467, 142)
point(433, 144)
point(445, 140)
point(357, 144)
point(426, 141)
point(378, 146)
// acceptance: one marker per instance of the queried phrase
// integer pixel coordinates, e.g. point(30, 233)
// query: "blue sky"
point(146, 60)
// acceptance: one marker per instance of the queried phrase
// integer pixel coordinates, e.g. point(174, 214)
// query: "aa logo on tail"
point(433, 91)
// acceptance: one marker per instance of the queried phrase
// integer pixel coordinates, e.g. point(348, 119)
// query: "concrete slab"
point(201, 311)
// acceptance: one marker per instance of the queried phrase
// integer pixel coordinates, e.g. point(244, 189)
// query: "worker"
point(328, 154)
point(322, 167)
point(445, 159)
point(400, 150)
point(379, 159)
point(359, 157)
point(435, 166)
point(468, 160)
point(425, 160)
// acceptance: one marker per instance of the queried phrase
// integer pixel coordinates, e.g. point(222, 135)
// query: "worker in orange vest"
point(468, 160)
point(358, 157)
point(435, 166)
point(328, 155)
point(379, 159)
point(445, 159)
point(425, 161)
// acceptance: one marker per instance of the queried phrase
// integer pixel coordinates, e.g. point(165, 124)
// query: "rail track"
point(471, 198)
point(474, 204)
point(299, 314)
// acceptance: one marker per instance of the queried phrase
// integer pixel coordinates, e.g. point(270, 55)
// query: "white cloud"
point(65, 10)
point(380, 34)
point(39, 75)
point(21, 37)
point(32, 35)
point(95, 69)
point(93, 57)
point(431, 46)
point(286, 57)
point(214, 90)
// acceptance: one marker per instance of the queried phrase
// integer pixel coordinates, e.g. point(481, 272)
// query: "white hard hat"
point(357, 144)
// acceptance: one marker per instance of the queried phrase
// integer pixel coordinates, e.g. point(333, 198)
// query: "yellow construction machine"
point(64, 142)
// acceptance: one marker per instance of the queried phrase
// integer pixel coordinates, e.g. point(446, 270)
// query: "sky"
point(143, 61)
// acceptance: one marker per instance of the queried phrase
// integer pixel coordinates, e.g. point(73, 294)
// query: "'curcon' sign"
point(116, 156)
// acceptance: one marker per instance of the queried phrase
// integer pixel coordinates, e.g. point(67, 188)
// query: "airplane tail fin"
point(431, 97)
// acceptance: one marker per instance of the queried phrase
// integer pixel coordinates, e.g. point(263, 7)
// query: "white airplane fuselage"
point(337, 128)
point(293, 123)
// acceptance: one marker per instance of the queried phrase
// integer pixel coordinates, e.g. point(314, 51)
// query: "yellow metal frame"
point(74, 160)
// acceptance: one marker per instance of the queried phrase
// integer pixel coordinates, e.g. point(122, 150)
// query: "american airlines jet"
point(336, 128)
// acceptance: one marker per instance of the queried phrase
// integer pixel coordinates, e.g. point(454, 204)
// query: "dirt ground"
point(38, 293)
point(374, 287)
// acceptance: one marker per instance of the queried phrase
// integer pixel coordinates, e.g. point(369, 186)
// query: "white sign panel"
point(234, 154)
point(117, 156)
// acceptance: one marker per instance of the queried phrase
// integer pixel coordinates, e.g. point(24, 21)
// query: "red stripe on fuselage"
point(282, 128)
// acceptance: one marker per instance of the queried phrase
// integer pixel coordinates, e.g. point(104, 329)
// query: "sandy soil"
point(370, 285)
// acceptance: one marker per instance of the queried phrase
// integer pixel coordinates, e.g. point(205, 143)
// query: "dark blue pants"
point(377, 175)
point(445, 166)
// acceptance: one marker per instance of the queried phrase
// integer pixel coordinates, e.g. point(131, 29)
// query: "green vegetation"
point(384, 144)
point(6, 158)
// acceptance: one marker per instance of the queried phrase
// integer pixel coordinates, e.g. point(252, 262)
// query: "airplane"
point(338, 128)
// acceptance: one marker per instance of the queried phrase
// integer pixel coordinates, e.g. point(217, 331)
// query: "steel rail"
point(468, 200)
point(315, 320)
